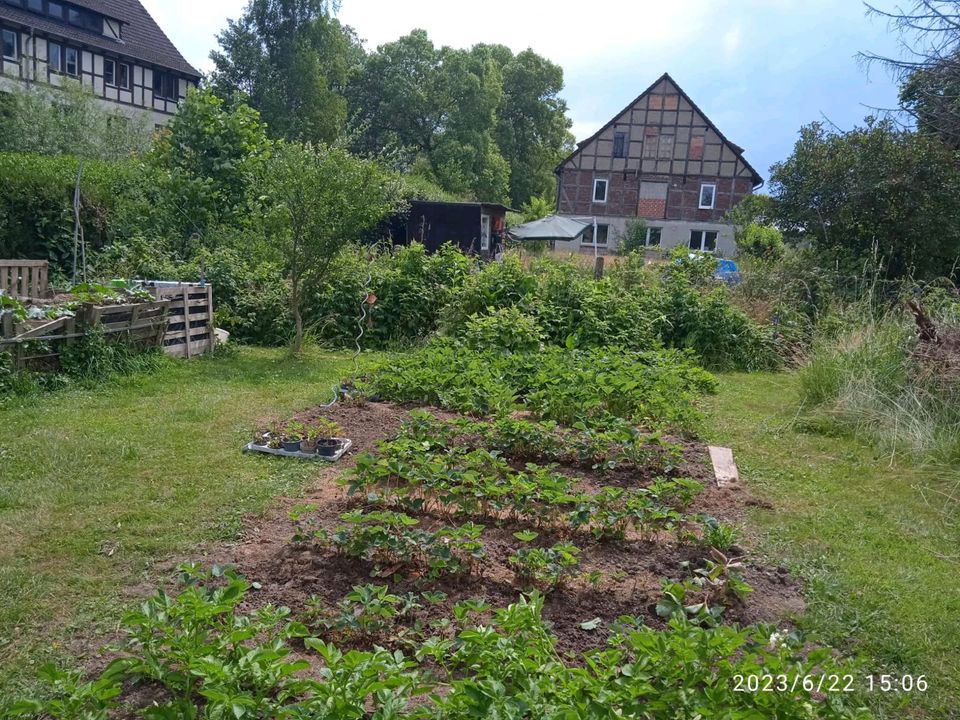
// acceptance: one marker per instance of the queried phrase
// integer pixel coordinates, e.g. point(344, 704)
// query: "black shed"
point(475, 227)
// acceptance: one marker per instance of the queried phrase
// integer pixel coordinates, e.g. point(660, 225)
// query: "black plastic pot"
point(291, 445)
point(329, 447)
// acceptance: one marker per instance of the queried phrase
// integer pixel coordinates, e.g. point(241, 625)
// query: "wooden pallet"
point(24, 278)
point(190, 322)
point(38, 344)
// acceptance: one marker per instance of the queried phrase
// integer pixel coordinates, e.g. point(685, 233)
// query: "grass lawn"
point(96, 485)
point(878, 543)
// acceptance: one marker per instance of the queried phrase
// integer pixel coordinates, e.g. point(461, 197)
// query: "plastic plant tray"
point(347, 444)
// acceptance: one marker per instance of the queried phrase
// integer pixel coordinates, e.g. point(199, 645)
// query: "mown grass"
point(98, 484)
point(876, 542)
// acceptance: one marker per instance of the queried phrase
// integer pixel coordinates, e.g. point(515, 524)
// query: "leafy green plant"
point(211, 661)
point(505, 329)
point(718, 535)
point(546, 568)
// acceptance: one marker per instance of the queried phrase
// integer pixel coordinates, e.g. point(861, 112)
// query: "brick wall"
point(682, 203)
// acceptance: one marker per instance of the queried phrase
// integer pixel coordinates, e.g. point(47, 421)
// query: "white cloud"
point(731, 42)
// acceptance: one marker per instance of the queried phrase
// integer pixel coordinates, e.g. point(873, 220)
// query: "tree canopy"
point(478, 123)
point(873, 192)
point(292, 60)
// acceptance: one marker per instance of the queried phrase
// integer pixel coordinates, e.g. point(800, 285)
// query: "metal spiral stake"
point(364, 321)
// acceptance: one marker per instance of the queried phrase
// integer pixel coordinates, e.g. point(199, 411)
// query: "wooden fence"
point(37, 344)
point(24, 278)
point(190, 323)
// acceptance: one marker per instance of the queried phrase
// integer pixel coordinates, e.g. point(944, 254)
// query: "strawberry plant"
point(546, 568)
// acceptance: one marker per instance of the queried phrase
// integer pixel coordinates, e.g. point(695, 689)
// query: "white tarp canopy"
point(551, 227)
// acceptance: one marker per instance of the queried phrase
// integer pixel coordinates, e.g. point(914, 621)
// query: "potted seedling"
point(292, 436)
point(309, 442)
point(261, 438)
point(328, 437)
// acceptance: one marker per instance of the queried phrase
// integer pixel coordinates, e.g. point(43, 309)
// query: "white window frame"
point(66, 63)
point(606, 190)
point(703, 240)
point(485, 226)
point(16, 45)
point(111, 61)
point(646, 240)
point(128, 85)
point(713, 196)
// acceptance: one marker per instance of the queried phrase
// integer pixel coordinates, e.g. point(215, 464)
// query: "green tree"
point(535, 208)
point(479, 123)
point(208, 153)
point(317, 199)
point(634, 236)
point(292, 59)
point(533, 128)
point(69, 121)
point(873, 192)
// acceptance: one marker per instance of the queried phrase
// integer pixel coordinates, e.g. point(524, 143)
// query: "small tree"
point(634, 236)
point(763, 241)
point(318, 199)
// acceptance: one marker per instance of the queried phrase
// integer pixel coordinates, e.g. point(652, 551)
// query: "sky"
point(759, 69)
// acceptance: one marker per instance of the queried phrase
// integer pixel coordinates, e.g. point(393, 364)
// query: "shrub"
point(708, 324)
point(412, 288)
point(760, 241)
point(634, 237)
point(495, 285)
point(506, 329)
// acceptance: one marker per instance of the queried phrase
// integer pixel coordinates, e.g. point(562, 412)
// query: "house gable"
point(653, 160)
point(666, 134)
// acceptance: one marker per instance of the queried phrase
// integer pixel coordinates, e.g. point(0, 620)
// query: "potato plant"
point(203, 658)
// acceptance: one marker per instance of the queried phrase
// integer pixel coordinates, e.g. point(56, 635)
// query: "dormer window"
point(64, 12)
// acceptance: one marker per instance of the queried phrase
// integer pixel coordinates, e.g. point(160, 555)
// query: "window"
point(653, 236)
point(704, 240)
point(55, 56)
point(665, 149)
point(55, 10)
point(708, 194)
point(485, 232)
point(35, 5)
point(63, 59)
point(650, 143)
point(9, 40)
point(164, 85)
point(109, 71)
point(619, 145)
point(71, 61)
point(124, 76)
point(600, 191)
point(587, 238)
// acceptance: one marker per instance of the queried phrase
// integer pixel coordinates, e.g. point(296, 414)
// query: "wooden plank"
point(6, 324)
point(724, 468)
point(186, 313)
point(40, 330)
point(23, 263)
point(212, 345)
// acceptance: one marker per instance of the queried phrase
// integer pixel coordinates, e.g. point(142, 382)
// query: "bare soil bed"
point(632, 571)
